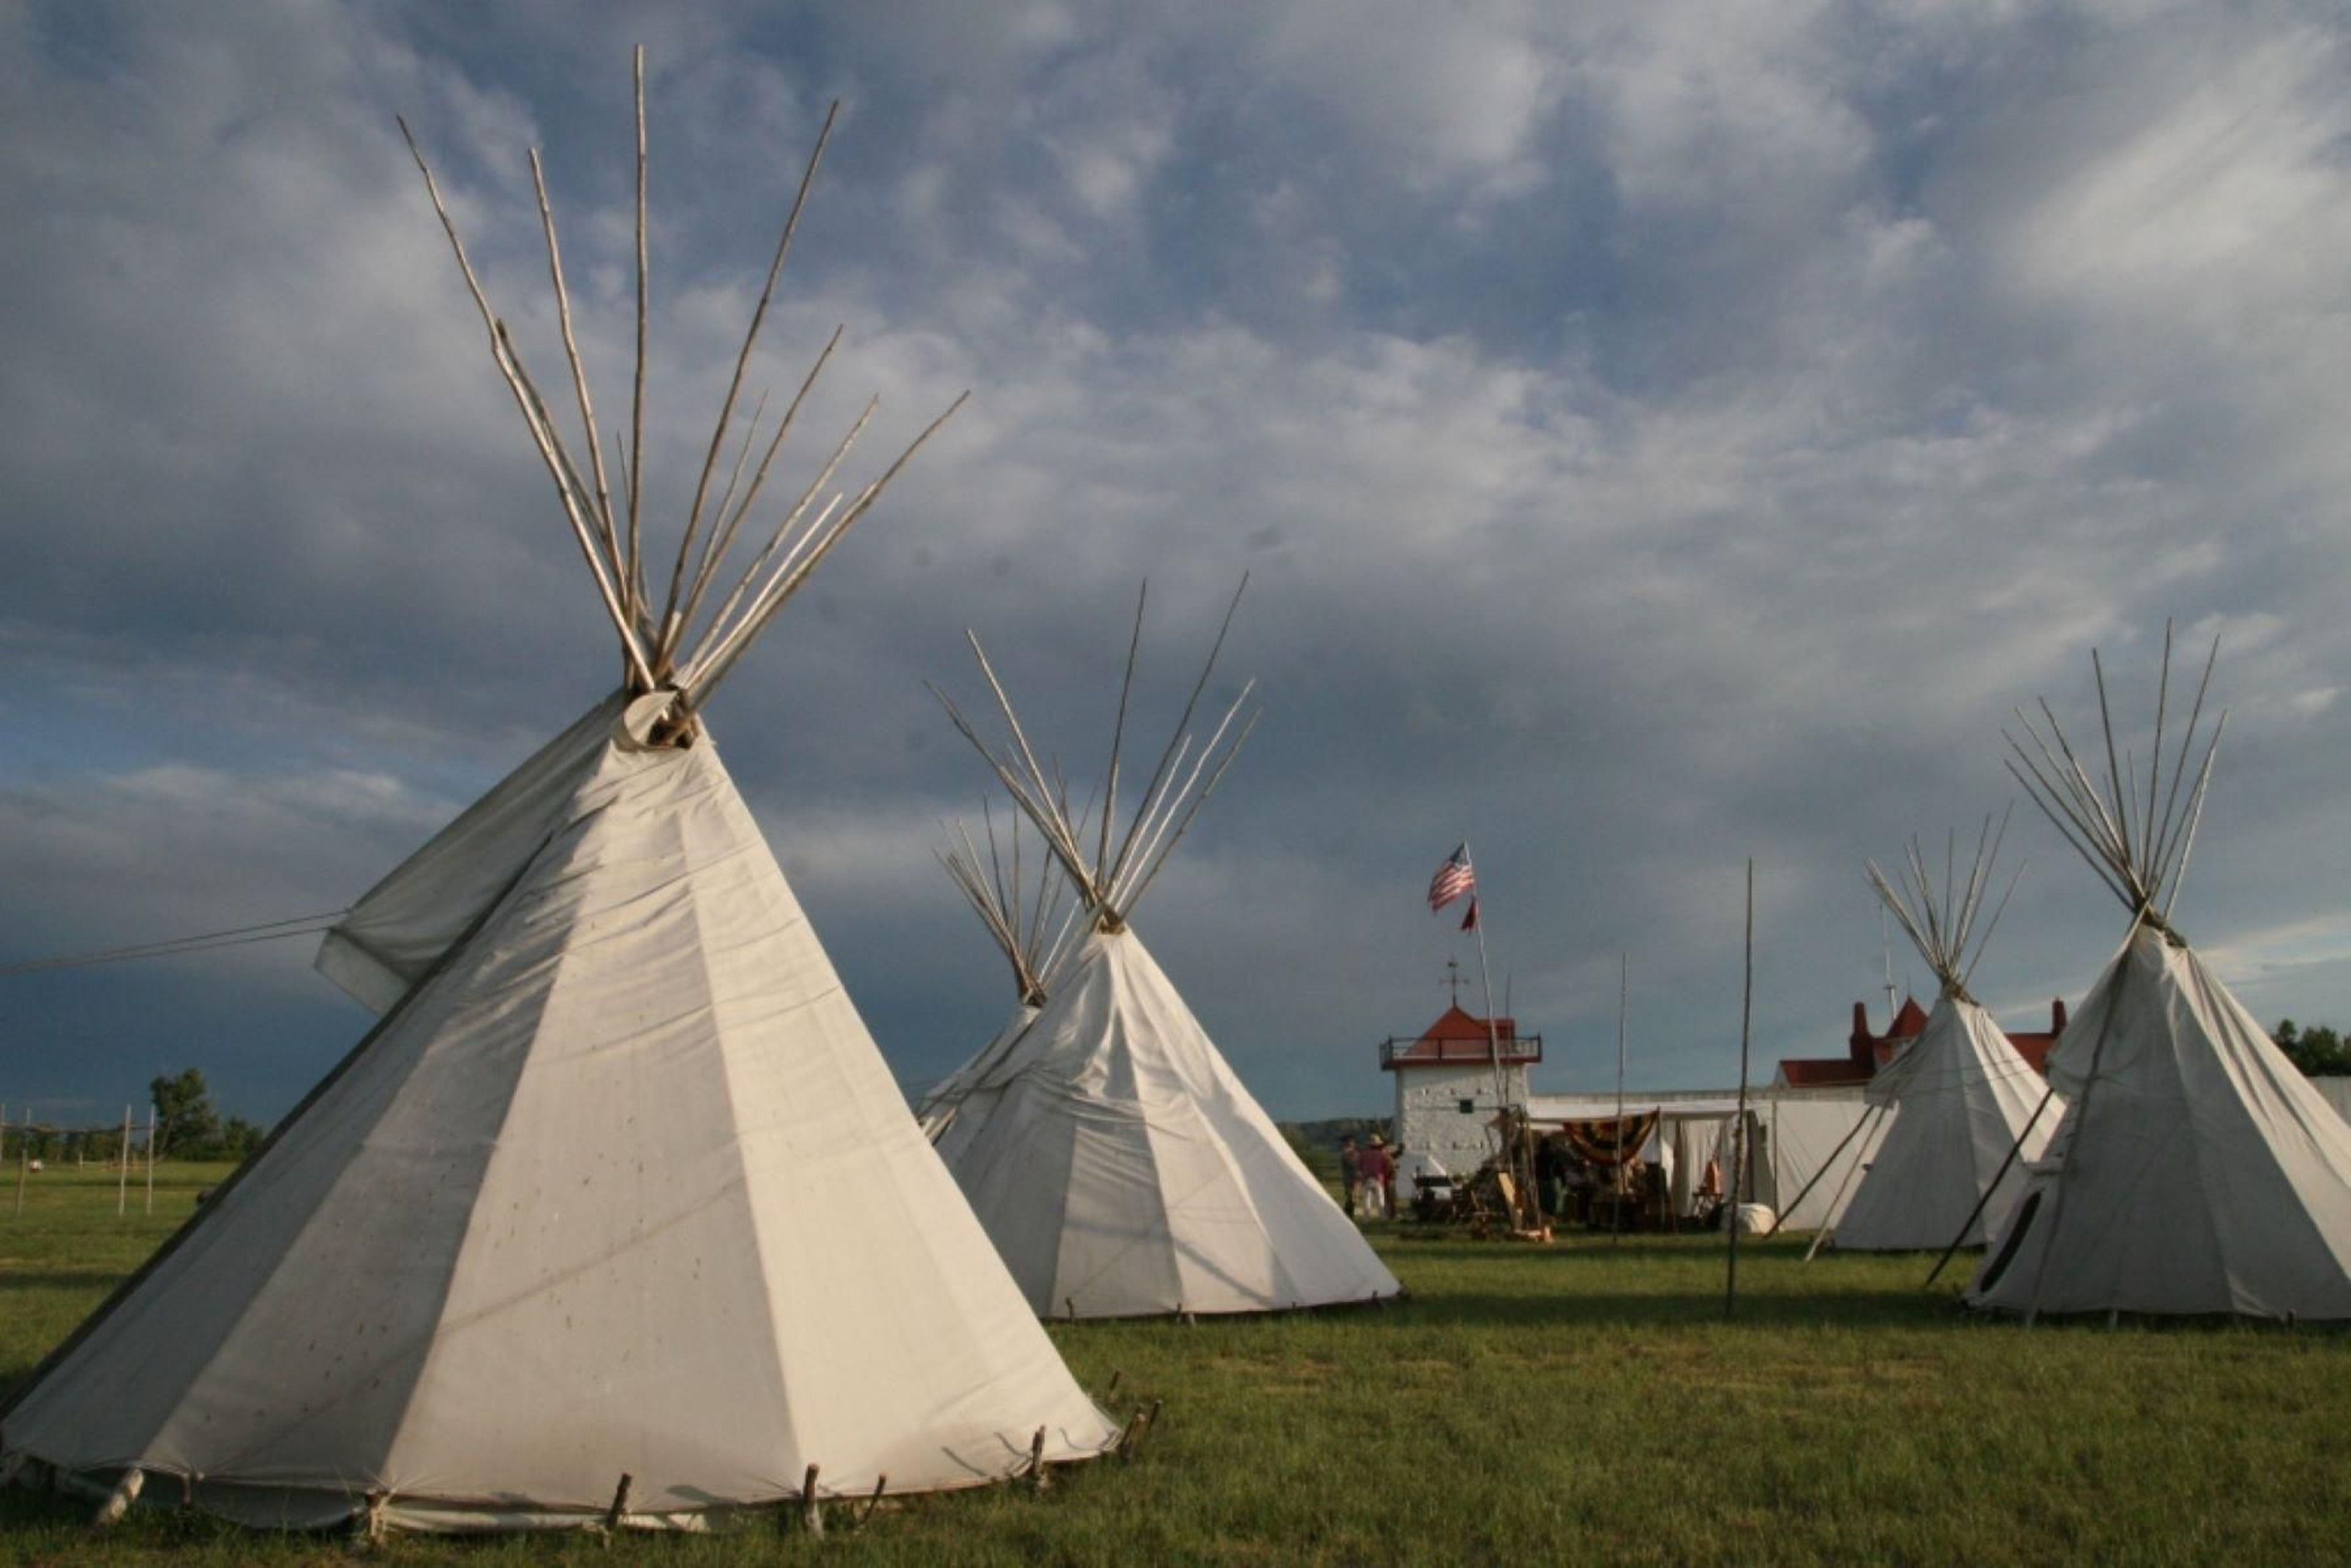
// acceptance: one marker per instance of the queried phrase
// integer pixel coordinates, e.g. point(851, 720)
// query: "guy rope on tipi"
point(616, 1216)
point(1959, 1098)
point(2195, 1171)
point(1032, 929)
point(1123, 1170)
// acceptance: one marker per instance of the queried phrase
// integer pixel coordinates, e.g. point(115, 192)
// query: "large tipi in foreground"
point(616, 1216)
point(2196, 1171)
point(1123, 1169)
point(1959, 1099)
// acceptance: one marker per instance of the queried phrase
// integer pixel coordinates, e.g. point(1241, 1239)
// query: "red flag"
point(1469, 921)
point(1453, 878)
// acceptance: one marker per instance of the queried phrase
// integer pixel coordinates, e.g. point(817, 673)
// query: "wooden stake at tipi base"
point(1123, 1170)
point(619, 1185)
point(1959, 1101)
point(2196, 1171)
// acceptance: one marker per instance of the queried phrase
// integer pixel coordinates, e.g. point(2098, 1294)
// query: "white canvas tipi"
point(616, 1216)
point(1123, 1170)
point(1959, 1099)
point(1032, 931)
point(2196, 1171)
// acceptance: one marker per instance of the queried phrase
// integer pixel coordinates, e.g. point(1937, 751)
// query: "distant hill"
point(1317, 1143)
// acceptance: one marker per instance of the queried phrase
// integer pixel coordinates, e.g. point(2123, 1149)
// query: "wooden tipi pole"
point(1739, 1164)
point(1624, 985)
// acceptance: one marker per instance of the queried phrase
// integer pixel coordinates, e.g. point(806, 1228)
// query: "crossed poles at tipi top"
point(679, 642)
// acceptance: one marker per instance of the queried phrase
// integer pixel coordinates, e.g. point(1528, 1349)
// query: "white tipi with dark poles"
point(616, 1216)
point(2195, 1171)
point(1032, 929)
point(1959, 1100)
point(1123, 1170)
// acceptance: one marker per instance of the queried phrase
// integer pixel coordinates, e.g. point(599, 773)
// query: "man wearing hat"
point(1379, 1180)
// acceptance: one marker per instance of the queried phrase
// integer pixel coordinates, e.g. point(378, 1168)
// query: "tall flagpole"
point(1485, 974)
point(1506, 1139)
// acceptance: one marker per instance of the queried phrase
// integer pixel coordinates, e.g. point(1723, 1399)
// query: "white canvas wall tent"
point(1800, 1148)
point(1032, 929)
point(1123, 1170)
point(616, 1216)
point(2195, 1171)
point(1816, 1145)
point(1959, 1100)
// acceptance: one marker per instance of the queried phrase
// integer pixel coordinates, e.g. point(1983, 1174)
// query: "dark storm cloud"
point(1655, 438)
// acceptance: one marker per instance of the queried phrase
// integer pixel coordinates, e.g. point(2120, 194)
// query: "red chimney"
point(1864, 1047)
point(2057, 1016)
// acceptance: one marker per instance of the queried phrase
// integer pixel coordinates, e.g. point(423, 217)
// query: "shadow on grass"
point(1594, 1309)
point(59, 1279)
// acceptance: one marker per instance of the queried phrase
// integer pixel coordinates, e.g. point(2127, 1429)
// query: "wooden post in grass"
point(811, 1511)
point(122, 1178)
point(1739, 1161)
point(151, 1159)
point(1624, 983)
point(23, 1161)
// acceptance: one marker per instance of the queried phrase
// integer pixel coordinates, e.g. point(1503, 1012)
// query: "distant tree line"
point(2319, 1052)
point(188, 1128)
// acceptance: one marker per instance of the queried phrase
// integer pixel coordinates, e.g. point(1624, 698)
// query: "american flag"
point(1453, 878)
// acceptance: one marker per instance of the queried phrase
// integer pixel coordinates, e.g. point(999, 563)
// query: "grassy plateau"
point(1582, 1402)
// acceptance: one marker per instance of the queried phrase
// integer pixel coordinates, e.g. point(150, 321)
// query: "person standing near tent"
point(1388, 1180)
point(1351, 1173)
point(1378, 1175)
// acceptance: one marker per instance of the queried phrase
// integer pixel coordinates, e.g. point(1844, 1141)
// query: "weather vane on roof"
point(1453, 979)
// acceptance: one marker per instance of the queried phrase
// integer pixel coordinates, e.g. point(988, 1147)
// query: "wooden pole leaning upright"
point(123, 1177)
point(151, 1159)
point(1623, 992)
point(23, 1161)
point(1740, 1143)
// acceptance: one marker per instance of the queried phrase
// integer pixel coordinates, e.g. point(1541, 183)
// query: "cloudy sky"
point(1655, 436)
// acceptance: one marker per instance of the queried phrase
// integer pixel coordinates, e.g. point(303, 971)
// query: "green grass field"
point(1582, 1402)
